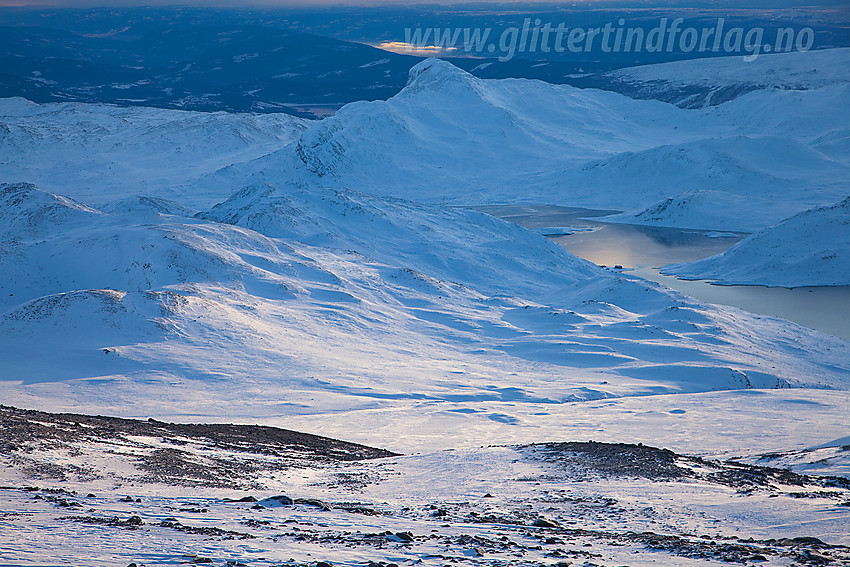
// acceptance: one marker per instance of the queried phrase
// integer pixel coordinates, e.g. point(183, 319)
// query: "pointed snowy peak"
point(434, 74)
point(26, 210)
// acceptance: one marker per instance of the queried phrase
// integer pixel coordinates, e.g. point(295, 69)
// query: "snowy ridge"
point(707, 210)
point(418, 237)
point(810, 248)
point(443, 128)
point(103, 152)
point(452, 138)
point(715, 80)
point(27, 211)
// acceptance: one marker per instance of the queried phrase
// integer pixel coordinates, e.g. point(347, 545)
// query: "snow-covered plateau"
point(326, 277)
point(720, 79)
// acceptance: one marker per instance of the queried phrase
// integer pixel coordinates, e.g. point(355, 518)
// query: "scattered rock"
point(813, 558)
point(243, 499)
point(544, 523)
point(279, 500)
point(132, 522)
point(810, 541)
point(314, 502)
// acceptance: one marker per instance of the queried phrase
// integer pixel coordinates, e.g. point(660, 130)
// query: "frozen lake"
point(642, 250)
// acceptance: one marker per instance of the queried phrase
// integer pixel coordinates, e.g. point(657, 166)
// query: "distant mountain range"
point(209, 60)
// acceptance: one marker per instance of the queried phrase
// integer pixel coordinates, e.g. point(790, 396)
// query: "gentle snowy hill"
point(27, 211)
point(457, 245)
point(811, 248)
point(708, 210)
point(238, 265)
point(99, 153)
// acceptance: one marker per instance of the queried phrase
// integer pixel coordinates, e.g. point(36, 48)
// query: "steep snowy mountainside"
point(810, 248)
point(99, 152)
point(719, 79)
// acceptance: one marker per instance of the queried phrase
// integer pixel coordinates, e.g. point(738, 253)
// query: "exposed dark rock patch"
point(214, 455)
point(642, 461)
point(18, 426)
point(620, 459)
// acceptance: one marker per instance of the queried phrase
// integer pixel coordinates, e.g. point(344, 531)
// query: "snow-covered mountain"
point(268, 270)
point(810, 248)
point(323, 302)
point(314, 268)
point(453, 138)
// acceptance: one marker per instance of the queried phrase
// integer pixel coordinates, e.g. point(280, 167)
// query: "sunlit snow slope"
point(319, 301)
